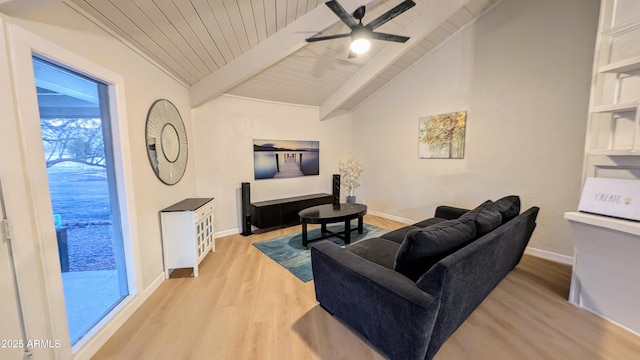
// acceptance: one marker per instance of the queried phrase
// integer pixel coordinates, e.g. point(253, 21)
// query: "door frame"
point(22, 44)
point(16, 195)
point(12, 326)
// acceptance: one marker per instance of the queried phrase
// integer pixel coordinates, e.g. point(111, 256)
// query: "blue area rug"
point(287, 250)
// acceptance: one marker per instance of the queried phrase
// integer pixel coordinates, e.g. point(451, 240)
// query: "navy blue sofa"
point(407, 299)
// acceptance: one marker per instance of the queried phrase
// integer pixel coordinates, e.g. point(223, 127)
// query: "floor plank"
point(245, 306)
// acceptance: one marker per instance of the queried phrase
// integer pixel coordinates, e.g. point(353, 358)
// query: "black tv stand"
point(280, 213)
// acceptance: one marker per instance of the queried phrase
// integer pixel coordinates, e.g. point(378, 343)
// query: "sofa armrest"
point(387, 308)
point(449, 212)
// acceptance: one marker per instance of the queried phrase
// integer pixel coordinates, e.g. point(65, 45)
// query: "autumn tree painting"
point(442, 136)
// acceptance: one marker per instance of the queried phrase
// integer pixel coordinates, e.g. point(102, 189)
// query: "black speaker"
point(336, 189)
point(246, 209)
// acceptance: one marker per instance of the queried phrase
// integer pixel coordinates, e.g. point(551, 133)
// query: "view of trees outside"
point(76, 166)
point(77, 141)
point(442, 136)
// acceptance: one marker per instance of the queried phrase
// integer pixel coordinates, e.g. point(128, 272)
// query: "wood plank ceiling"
point(256, 48)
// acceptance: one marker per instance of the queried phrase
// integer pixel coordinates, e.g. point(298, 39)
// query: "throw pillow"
point(422, 248)
point(509, 207)
point(486, 216)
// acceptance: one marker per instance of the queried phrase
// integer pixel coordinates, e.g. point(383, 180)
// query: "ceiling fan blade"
point(399, 9)
point(342, 13)
point(389, 37)
point(328, 37)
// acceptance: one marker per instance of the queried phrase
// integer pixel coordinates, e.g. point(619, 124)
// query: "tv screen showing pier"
point(273, 159)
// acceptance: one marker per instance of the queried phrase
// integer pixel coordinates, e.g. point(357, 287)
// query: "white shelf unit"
point(187, 234)
point(614, 117)
point(620, 133)
point(605, 268)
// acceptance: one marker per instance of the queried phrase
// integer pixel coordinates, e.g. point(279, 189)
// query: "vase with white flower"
point(350, 171)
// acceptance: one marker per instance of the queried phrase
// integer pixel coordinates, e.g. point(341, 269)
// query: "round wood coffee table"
point(327, 214)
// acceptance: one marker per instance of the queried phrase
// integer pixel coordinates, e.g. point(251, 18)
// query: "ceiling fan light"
point(360, 46)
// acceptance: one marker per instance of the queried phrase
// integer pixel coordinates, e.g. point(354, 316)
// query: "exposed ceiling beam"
point(430, 19)
point(267, 52)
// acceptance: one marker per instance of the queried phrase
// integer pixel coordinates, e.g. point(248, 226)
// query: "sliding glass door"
point(76, 134)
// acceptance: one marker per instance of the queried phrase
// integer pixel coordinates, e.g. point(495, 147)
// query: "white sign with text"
point(611, 197)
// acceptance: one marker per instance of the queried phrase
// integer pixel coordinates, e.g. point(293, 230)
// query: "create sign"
point(611, 197)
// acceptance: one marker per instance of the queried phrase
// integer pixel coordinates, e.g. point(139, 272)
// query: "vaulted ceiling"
point(257, 48)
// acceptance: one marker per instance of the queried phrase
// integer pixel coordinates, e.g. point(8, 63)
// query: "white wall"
point(144, 84)
point(522, 73)
point(224, 130)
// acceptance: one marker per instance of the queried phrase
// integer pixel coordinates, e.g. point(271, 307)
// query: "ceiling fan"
point(362, 34)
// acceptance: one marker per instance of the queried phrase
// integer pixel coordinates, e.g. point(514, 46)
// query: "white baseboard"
point(224, 233)
point(564, 259)
point(391, 217)
point(606, 318)
point(97, 338)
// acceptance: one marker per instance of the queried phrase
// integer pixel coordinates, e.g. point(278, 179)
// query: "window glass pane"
point(76, 134)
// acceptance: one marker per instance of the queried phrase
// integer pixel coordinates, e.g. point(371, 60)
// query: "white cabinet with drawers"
point(187, 234)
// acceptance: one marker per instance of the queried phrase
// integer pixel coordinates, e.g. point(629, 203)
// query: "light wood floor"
point(245, 306)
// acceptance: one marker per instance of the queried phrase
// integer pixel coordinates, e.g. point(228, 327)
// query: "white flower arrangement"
point(350, 171)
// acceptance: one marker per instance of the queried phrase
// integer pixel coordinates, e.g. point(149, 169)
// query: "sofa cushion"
point(486, 217)
point(429, 222)
point(378, 250)
point(449, 212)
point(424, 247)
point(509, 207)
point(399, 234)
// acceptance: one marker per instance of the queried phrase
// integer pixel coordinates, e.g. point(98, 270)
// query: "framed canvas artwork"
point(442, 136)
point(273, 159)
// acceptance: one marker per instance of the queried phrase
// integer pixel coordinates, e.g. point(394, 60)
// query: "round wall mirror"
point(166, 140)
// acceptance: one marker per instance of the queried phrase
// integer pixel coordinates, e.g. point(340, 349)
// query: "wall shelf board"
point(622, 66)
point(626, 226)
point(616, 108)
point(614, 152)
